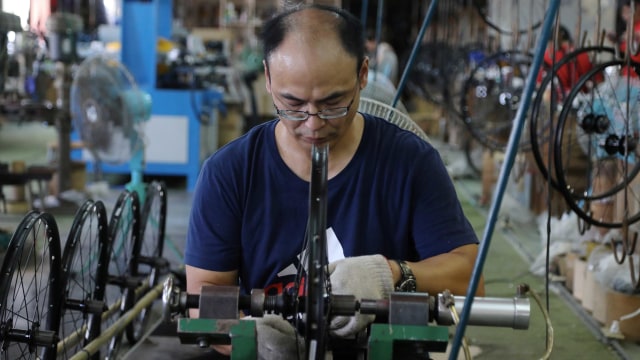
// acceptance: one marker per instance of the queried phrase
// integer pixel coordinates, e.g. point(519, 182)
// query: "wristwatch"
point(407, 282)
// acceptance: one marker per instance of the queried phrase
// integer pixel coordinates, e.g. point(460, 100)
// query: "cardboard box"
point(579, 278)
point(619, 305)
point(600, 307)
point(589, 291)
point(567, 264)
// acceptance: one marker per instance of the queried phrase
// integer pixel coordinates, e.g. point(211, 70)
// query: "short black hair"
point(348, 29)
point(564, 35)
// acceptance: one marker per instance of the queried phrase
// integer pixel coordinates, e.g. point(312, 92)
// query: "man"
point(630, 15)
point(389, 196)
point(568, 74)
point(385, 58)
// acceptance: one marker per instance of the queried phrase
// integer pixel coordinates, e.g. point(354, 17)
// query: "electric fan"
point(392, 115)
point(381, 89)
point(108, 112)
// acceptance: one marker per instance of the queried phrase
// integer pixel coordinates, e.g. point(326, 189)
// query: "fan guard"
point(108, 110)
point(392, 115)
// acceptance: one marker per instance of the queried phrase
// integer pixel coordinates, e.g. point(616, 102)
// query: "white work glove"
point(277, 338)
point(365, 277)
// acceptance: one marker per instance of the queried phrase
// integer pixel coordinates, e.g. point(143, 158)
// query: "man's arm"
point(197, 278)
point(450, 271)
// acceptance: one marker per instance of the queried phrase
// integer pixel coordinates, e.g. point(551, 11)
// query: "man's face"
point(370, 45)
point(313, 75)
point(625, 13)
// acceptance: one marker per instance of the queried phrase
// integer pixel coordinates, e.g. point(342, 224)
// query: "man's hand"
point(277, 339)
point(365, 277)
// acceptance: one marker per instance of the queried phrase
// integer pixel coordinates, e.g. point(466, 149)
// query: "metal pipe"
point(512, 149)
point(489, 311)
point(119, 326)
point(378, 33)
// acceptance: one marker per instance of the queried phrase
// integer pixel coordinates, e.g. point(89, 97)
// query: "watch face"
point(408, 285)
point(408, 280)
point(411, 285)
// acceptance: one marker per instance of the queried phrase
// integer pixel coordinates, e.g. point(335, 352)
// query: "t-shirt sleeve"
point(439, 224)
point(214, 226)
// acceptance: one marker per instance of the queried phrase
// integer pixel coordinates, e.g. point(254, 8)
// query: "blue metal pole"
point(379, 15)
point(414, 51)
point(363, 16)
point(512, 149)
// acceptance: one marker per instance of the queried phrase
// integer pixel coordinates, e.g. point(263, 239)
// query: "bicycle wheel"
point(30, 287)
point(148, 263)
point(548, 102)
point(124, 228)
point(435, 75)
point(84, 272)
point(595, 148)
point(491, 98)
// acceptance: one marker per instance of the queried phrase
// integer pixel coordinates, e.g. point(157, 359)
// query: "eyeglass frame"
point(345, 110)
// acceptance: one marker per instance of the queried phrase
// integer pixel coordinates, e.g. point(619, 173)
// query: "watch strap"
point(407, 282)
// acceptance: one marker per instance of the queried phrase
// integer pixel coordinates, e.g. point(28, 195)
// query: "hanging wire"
point(449, 302)
point(482, 12)
point(552, 112)
point(547, 320)
point(515, 39)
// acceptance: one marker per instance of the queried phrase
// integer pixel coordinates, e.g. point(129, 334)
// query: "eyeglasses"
point(326, 114)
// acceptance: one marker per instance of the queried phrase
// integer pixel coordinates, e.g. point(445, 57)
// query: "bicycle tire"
point(23, 336)
point(541, 132)
point(84, 271)
point(491, 97)
point(124, 228)
point(148, 252)
point(603, 177)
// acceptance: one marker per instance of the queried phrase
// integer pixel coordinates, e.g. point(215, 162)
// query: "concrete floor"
point(515, 243)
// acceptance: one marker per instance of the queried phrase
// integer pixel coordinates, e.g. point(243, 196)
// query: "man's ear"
point(363, 75)
point(267, 76)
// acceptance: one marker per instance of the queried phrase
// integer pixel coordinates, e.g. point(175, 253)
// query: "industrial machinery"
point(9, 24)
point(416, 323)
point(63, 29)
point(175, 115)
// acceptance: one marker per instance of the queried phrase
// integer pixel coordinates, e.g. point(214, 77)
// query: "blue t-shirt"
point(250, 210)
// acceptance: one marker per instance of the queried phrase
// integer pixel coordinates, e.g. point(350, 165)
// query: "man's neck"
point(298, 158)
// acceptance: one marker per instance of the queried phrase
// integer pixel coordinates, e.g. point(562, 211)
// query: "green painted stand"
point(205, 332)
point(384, 338)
